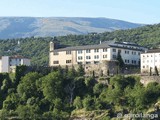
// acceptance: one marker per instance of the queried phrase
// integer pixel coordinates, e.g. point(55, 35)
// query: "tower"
point(51, 46)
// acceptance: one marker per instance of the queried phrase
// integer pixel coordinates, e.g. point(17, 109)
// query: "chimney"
point(51, 46)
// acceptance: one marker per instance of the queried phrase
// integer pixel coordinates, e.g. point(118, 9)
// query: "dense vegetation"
point(65, 93)
point(38, 48)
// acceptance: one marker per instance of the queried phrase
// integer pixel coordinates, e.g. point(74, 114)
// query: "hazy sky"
point(138, 11)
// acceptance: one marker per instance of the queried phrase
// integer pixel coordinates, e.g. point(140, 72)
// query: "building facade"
point(94, 54)
point(9, 63)
point(150, 61)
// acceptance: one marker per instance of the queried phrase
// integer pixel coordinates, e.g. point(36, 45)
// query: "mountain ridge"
point(21, 27)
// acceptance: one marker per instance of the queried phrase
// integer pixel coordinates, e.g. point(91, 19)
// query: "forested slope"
point(61, 94)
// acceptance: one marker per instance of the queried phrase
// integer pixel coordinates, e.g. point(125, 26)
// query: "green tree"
point(11, 102)
point(98, 88)
point(20, 72)
point(80, 70)
point(88, 102)
point(120, 60)
point(150, 71)
point(72, 73)
point(77, 102)
point(52, 86)
point(156, 71)
point(27, 86)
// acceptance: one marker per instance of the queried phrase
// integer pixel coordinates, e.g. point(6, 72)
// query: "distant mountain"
point(17, 27)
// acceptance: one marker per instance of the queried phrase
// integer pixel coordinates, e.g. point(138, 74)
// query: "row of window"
point(57, 62)
point(95, 62)
point(126, 52)
point(151, 55)
point(89, 51)
point(89, 57)
point(67, 53)
point(81, 51)
point(152, 61)
point(147, 66)
point(97, 50)
point(69, 61)
point(128, 61)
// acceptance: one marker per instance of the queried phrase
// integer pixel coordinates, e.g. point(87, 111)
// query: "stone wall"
point(101, 68)
point(147, 79)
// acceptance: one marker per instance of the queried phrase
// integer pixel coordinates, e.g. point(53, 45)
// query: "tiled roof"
point(105, 44)
point(18, 56)
point(83, 47)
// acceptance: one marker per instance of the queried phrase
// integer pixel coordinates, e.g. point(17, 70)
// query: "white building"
point(149, 61)
point(94, 54)
point(9, 63)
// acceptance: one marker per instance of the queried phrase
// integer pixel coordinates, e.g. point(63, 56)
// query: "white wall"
point(8, 64)
point(26, 62)
point(150, 60)
point(133, 55)
point(5, 63)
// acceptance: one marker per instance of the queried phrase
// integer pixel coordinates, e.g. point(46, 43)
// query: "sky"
point(136, 11)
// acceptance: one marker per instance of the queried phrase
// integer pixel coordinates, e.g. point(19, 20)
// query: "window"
point(119, 51)
point(88, 51)
point(55, 53)
point(143, 66)
point(104, 56)
point(133, 61)
point(88, 57)
point(79, 51)
point(133, 53)
point(126, 52)
point(68, 52)
point(68, 61)
point(96, 57)
point(105, 50)
point(126, 61)
point(96, 62)
point(114, 50)
point(80, 57)
point(56, 62)
point(88, 62)
point(96, 50)
point(114, 56)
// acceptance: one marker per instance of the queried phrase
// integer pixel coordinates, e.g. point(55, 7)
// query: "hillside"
point(38, 48)
point(20, 27)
